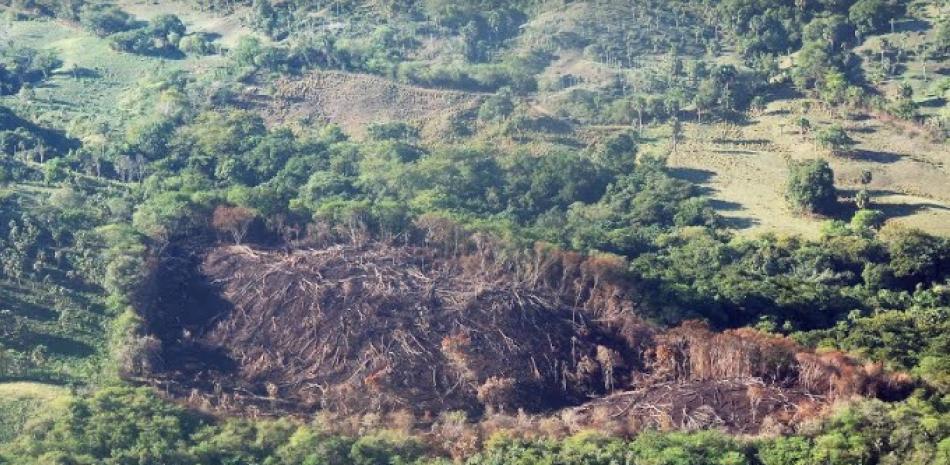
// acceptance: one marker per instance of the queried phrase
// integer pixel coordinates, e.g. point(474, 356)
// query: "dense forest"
point(481, 232)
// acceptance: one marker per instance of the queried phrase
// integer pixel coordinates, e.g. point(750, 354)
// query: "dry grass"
point(22, 402)
point(354, 101)
point(745, 168)
point(28, 390)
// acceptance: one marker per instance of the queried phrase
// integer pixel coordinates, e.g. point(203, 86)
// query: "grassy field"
point(229, 28)
point(744, 167)
point(94, 78)
point(21, 402)
point(69, 325)
point(926, 75)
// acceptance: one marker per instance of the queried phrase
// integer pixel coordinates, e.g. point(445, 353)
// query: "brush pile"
point(369, 328)
point(739, 380)
point(375, 327)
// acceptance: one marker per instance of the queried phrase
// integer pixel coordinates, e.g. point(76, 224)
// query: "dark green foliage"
point(161, 36)
point(21, 67)
point(392, 131)
point(557, 180)
point(497, 107)
point(63, 9)
point(735, 282)
point(133, 427)
point(105, 19)
point(21, 138)
point(115, 426)
point(134, 41)
point(636, 208)
point(869, 16)
point(811, 187)
point(870, 432)
point(618, 153)
point(198, 43)
point(835, 139)
point(919, 257)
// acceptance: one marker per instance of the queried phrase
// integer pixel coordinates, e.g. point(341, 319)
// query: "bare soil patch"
point(355, 100)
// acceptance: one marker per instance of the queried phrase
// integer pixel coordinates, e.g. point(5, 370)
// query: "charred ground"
point(373, 327)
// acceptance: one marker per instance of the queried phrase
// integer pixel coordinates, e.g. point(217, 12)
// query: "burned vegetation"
point(369, 327)
point(356, 328)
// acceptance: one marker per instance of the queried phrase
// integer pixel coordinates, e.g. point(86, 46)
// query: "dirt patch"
point(355, 100)
point(375, 328)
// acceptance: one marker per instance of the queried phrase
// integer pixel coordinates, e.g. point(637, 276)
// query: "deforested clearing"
point(376, 328)
point(353, 101)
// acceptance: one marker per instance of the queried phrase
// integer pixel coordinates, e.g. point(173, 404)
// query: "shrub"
point(835, 139)
point(134, 41)
point(199, 43)
point(865, 220)
point(104, 19)
point(811, 187)
point(392, 131)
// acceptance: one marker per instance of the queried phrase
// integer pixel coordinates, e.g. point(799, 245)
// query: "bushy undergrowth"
point(132, 426)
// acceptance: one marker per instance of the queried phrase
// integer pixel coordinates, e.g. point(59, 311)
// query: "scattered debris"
point(369, 328)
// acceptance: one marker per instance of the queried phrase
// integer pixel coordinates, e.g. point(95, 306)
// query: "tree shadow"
point(783, 92)
point(186, 304)
point(734, 152)
point(725, 205)
point(693, 175)
point(81, 73)
point(933, 102)
point(779, 112)
point(911, 25)
point(699, 177)
point(61, 103)
point(29, 340)
point(169, 53)
point(29, 309)
point(721, 140)
point(897, 210)
point(739, 222)
point(729, 221)
point(45, 85)
point(874, 156)
point(846, 207)
point(54, 138)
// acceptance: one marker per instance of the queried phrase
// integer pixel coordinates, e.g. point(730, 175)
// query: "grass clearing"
point(745, 169)
point(93, 78)
point(21, 402)
point(228, 27)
